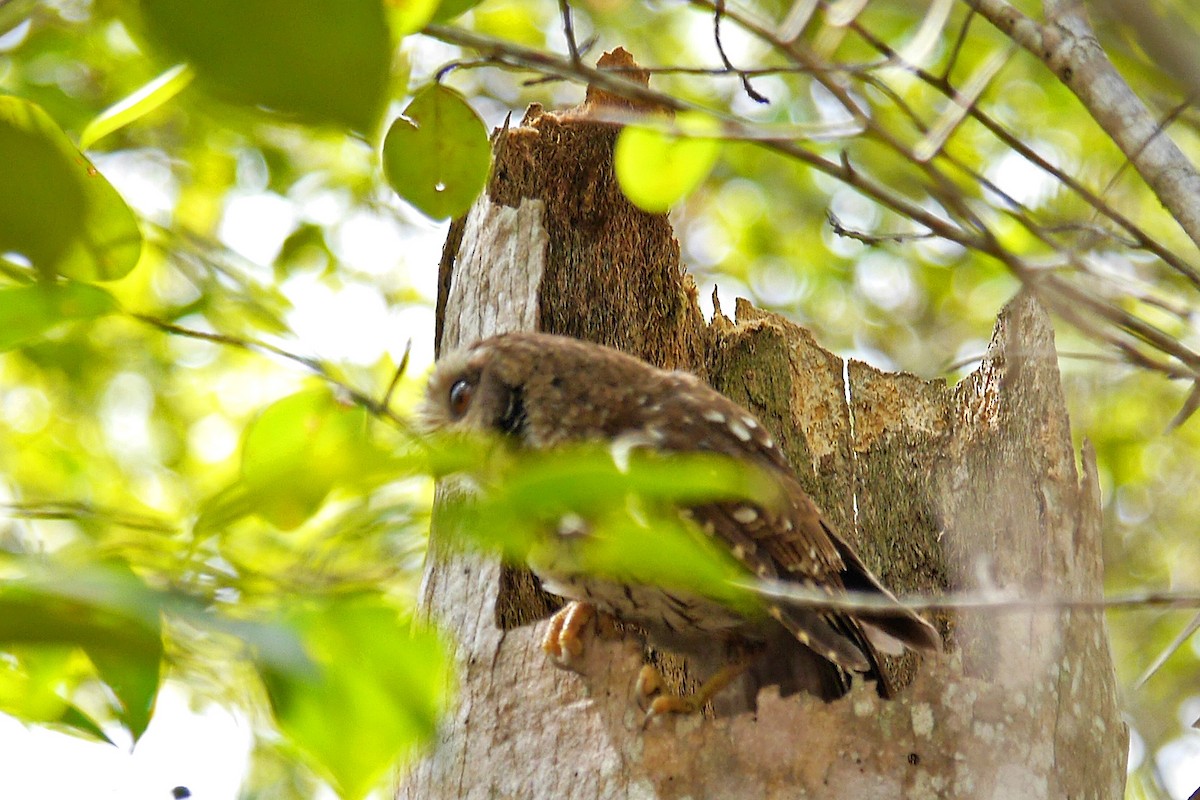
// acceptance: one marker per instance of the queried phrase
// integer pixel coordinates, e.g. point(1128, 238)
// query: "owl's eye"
point(460, 397)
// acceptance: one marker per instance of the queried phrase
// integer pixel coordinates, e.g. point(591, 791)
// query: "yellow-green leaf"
point(437, 155)
point(409, 16)
point(108, 613)
point(657, 167)
point(29, 312)
point(137, 105)
point(297, 450)
point(56, 209)
point(378, 685)
point(321, 61)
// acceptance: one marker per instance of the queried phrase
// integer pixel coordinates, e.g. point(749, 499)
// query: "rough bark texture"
point(942, 488)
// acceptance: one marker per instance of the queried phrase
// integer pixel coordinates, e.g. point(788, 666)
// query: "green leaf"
point(449, 9)
point(137, 105)
point(321, 61)
point(56, 209)
point(379, 687)
point(78, 722)
point(657, 168)
point(29, 312)
point(409, 16)
point(298, 449)
point(437, 155)
point(108, 613)
point(629, 507)
point(659, 551)
point(34, 682)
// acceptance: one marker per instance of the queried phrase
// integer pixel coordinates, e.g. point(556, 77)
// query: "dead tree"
point(942, 489)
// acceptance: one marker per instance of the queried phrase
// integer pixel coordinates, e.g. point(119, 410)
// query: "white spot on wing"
point(712, 415)
point(739, 430)
point(625, 444)
point(571, 525)
point(745, 514)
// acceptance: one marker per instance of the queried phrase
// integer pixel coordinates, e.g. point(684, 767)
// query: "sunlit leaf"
point(137, 105)
point(660, 551)
point(628, 506)
point(35, 683)
point(108, 613)
point(437, 155)
point(379, 687)
point(80, 723)
point(449, 9)
point(29, 312)
point(298, 449)
point(657, 168)
point(322, 61)
point(223, 509)
point(409, 16)
point(56, 210)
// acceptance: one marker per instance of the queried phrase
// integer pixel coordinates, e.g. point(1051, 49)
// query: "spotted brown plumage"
point(542, 391)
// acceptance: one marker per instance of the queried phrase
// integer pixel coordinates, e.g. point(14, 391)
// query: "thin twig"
point(358, 397)
point(64, 510)
point(564, 10)
point(1007, 601)
point(718, 12)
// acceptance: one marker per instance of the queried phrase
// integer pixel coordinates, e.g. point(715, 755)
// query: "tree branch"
point(1067, 45)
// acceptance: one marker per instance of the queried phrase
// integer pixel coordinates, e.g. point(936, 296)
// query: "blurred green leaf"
point(322, 61)
point(659, 550)
point(437, 155)
point(34, 682)
point(657, 168)
point(629, 507)
point(29, 312)
point(56, 209)
point(379, 687)
point(298, 449)
point(110, 614)
point(409, 16)
point(137, 105)
point(222, 509)
point(449, 9)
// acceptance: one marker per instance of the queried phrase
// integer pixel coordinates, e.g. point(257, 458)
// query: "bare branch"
point(376, 407)
point(1068, 47)
point(1000, 601)
point(718, 12)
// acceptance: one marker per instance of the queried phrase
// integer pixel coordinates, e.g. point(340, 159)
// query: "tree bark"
point(941, 489)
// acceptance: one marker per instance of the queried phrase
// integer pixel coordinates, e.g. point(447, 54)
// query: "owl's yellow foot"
point(656, 702)
point(564, 639)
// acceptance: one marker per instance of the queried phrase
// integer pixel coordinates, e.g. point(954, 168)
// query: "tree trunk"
point(942, 489)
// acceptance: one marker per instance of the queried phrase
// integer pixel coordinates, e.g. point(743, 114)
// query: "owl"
point(539, 392)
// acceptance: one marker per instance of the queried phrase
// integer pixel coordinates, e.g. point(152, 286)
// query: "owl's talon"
point(649, 686)
point(563, 641)
point(670, 704)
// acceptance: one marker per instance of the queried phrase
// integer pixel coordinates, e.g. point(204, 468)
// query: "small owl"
point(541, 391)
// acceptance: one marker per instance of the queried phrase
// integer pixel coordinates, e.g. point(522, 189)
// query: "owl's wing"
point(790, 540)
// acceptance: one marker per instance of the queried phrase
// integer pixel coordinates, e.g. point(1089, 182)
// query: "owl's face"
point(468, 392)
point(540, 390)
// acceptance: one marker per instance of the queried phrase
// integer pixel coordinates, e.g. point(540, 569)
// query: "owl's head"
point(542, 390)
point(477, 389)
